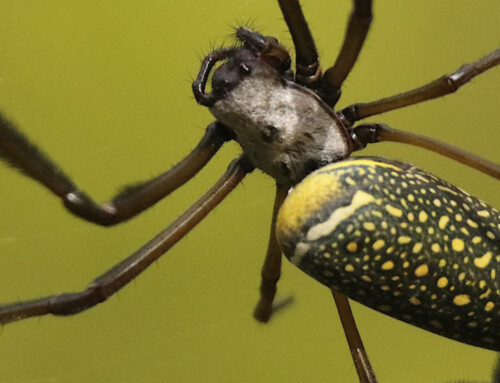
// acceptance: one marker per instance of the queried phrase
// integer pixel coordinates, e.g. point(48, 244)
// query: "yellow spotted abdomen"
point(400, 241)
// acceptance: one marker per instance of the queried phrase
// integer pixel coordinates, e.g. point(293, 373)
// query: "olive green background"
point(104, 87)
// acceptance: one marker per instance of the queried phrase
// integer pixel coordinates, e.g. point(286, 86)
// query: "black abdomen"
point(402, 242)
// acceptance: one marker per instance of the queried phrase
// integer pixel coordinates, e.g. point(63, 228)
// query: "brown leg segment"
point(308, 71)
point(372, 133)
point(19, 152)
point(121, 274)
point(437, 88)
point(271, 270)
point(359, 355)
point(357, 30)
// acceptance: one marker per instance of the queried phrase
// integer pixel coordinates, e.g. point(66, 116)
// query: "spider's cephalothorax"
point(285, 129)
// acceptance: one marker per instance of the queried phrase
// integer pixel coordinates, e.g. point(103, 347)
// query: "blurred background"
point(104, 87)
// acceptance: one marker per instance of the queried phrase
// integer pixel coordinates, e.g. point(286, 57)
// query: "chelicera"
point(286, 126)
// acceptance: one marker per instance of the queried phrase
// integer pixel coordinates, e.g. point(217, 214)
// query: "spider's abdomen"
point(285, 129)
point(400, 241)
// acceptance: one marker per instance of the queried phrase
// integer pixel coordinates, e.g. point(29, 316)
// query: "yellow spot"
point(352, 247)
point(483, 261)
point(406, 264)
point(350, 181)
point(436, 248)
point(464, 230)
point(322, 229)
point(415, 301)
point(422, 216)
point(442, 282)
point(458, 217)
point(385, 287)
point(461, 276)
point(490, 235)
point(422, 270)
point(471, 223)
point(403, 240)
point(366, 278)
point(411, 197)
point(444, 188)
point(486, 294)
point(443, 221)
point(369, 226)
point(421, 178)
point(489, 306)
point(482, 284)
point(378, 244)
point(394, 210)
point(476, 240)
point(349, 268)
point(457, 244)
point(442, 263)
point(418, 246)
point(483, 213)
point(389, 265)
point(493, 274)
point(461, 300)
point(327, 255)
point(437, 202)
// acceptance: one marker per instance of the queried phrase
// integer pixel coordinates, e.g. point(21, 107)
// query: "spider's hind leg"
point(271, 270)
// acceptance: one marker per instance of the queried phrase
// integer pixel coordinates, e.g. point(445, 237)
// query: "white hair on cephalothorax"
point(282, 127)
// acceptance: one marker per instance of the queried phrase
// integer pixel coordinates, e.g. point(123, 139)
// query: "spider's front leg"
point(20, 153)
point(309, 74)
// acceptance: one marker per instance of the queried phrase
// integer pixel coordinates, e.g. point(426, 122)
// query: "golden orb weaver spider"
point(437, 73)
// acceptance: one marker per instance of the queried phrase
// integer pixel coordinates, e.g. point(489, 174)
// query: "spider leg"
point(121, 274)
point(372, 133)
point(199, 84)
point(308, 70)
point(271, 270)
point(437, 88)
point(19, 152)
point(357, 30)
point(359, 355)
